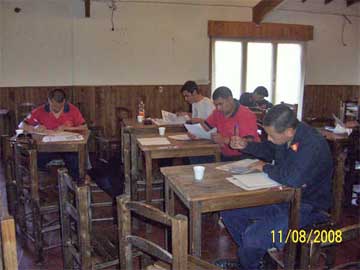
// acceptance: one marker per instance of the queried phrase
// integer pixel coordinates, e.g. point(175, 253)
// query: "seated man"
point(201, 106)
point(297, 156)
point(230, 118)
point(256, 100)
point(56, 115)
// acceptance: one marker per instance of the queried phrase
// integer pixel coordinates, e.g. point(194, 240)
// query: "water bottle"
point(141, 111)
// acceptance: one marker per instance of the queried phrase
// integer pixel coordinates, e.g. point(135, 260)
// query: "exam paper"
point(62, 136)
point(238, 167)
point(154, 141)
point(198, 131)
point(253, 181)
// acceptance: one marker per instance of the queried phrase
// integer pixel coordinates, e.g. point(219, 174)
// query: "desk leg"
point(82, 161)
point(217, 156)
point(148, 184)
point(169, 209)
point(195, 229)
point(126, 159)
point(134, 167)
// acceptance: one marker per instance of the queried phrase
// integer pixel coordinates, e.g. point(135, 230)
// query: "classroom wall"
point(50, 42)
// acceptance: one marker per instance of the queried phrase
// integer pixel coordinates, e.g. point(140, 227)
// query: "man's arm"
point(263, 150)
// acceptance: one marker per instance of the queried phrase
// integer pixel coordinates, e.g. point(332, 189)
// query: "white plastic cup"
point(162, 131)
point(140, 118)
point(199, 172)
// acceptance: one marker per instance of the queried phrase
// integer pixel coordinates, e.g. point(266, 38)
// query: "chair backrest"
point(75, 222)
point(179, 232)
point(349, 110)
point(22, 110)
point(293, 107)
point(8, 258)
point(76, 227)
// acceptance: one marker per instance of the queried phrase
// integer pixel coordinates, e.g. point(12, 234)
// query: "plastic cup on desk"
point(162, 131)
point(140, 118)
point(199, 173)
point(19, 131)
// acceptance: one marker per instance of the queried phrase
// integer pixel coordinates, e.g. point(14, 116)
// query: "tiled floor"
point(216, 241)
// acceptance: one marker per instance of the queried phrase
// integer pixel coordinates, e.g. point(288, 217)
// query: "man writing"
point(296, 155)
point(230, 118)
point(201, 106)
point(56, 115)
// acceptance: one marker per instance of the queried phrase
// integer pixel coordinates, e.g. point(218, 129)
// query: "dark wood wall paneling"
point(98, 103)
point(324, 100)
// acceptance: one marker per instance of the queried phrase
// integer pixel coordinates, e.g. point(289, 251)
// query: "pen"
point(236, 129)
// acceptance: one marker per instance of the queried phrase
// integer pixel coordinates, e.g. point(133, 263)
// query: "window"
point(242, 65)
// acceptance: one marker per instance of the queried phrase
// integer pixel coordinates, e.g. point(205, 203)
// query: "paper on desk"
point(198, 131)
point(172, 117)
point(180, 137)
point(253, 181)
point(238, 167)
point(63, 136)
point(154, 141)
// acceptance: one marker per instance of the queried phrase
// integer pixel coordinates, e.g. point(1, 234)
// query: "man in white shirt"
point(202, 106)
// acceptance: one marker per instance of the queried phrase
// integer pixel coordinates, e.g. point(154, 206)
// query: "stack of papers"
point(180, 137)
point(154, 141)
point(253, 181)
point(198, 131)
point(63, 137)
point(238, 167)
point(169, 118)
point(340, 127)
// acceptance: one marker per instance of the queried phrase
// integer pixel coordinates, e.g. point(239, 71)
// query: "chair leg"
point(37, 221)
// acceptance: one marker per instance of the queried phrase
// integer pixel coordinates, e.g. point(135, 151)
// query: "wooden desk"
point(215, 193)
point(74, 146)
point(130, 129)
point(176, 149)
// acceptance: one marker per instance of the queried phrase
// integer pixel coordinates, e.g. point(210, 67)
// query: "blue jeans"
point(70, 159)
point(251, 229)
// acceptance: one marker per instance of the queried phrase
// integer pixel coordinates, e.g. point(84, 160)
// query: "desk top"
point(131, 125)
point(331, 136)
point(215, 187)
point(176, 144)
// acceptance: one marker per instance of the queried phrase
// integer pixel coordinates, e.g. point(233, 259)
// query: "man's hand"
point(192, 136)
point(40, 128)
point(237, 142)
point(351, 124)
point(219, 139)
point(258, 165)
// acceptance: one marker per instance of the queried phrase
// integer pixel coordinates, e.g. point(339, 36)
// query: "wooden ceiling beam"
point(328, 1)
point(263, 8)
point(87, 4)
point(351, 2)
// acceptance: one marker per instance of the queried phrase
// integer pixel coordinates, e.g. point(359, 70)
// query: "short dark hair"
point(222, 92)
point(280, 117)
point(261, 91)
point(57, 95)
point(190, 86)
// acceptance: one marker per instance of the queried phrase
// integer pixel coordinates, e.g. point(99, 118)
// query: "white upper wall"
point(50, 42)
point(328, 60)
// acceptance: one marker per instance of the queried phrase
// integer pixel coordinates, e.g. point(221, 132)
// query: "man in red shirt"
point(231, 119)
point(56, 115)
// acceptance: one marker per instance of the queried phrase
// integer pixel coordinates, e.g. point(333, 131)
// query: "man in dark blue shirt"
point(296, 155)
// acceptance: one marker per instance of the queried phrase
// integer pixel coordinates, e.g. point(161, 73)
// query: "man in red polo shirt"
point(56, 115)
point(231, 119)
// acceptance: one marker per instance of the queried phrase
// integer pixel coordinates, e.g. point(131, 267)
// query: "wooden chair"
point(275, 257)
point(349, 110)
point(107, 147)
point(8, 258)
point(177, 260)
point(83, 248)
point(37, 200)
point(22, 111)
point(311, 252)
point(352, 175)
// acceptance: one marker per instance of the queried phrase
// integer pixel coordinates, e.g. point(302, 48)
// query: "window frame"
point(243, 75)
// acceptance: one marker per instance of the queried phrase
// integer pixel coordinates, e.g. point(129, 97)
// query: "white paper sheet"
point(154, 141)
point(199, 131)
point(238, 167)
point(181, 137)
point(253, 181)
point(63, 136)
